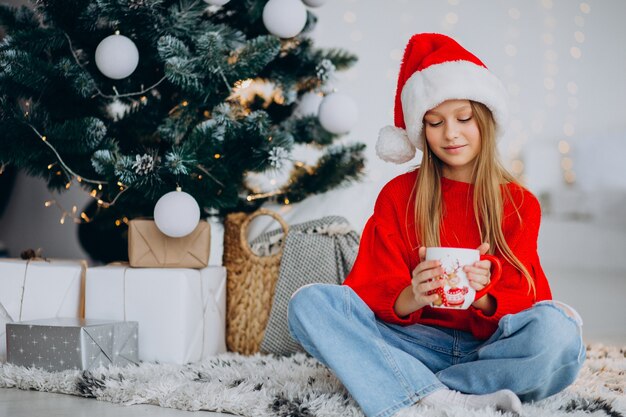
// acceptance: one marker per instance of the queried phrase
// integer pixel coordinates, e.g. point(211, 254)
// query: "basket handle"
point(244, 231)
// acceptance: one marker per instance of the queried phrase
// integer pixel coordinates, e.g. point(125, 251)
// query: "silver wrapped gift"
point(69, 343)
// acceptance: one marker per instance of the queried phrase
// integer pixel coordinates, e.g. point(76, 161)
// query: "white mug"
point(457, 293)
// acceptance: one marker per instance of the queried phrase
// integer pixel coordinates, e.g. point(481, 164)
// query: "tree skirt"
point(297, 386)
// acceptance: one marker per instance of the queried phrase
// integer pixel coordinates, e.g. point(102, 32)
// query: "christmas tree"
point(129, 99)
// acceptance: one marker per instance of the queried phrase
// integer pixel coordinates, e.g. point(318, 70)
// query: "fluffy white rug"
point(297, 386)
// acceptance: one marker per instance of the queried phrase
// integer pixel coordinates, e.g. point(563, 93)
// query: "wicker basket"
point(251, 281)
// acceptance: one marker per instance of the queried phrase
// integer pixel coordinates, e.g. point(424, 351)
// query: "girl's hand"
point(427, 276)
point(479, 273)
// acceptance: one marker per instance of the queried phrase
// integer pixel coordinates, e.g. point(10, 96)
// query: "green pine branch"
point(308, 130)
point(339, 166)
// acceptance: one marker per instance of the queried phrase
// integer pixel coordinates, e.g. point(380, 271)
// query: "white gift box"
point(181, 312)
point(39, 289)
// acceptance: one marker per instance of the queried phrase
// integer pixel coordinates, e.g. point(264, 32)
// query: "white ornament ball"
point(338, 113)
point(284, 18)
point(314, 3)
point(117, 57)
point(216, 2)
point(176, 214)
point(309, 104)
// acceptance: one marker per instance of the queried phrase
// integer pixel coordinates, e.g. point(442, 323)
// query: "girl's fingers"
point(478, 280)
point(425, 265)
point(483, 248)
point(427, 286)
point(431, 298)
point(486, 264)
point(476, 270)
point(427, 275)
point(422, 253)
point(476, 286)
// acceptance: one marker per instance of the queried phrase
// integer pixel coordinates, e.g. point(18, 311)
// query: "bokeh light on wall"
point(514, 13)
point(569, 128)
point(356, 35)
point(519, 136)
point(349, 17)
point(451, 18)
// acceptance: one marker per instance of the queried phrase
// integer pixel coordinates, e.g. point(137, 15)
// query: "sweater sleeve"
point(513, 293)
point(382, 267)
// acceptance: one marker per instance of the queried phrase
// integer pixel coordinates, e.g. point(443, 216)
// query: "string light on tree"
point(117, 56)
point(71, 174)
point(71, 214)
point(338, 113)
point(177, 213)
point(284, 18)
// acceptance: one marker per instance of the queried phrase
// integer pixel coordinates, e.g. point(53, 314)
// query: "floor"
point(18, 403)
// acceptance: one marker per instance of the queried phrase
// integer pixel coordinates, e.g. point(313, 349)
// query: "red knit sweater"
point(388, 253)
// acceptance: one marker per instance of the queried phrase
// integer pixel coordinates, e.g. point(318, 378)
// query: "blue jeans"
point(385, 367)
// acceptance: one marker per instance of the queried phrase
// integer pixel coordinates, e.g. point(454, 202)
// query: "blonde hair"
point(488, 177)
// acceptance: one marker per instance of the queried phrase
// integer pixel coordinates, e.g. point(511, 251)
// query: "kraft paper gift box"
point(148, 247)
point(181, 312)
point(39, 289)
point(71, 343)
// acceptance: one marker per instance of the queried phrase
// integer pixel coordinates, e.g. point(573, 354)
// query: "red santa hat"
point(435, 68)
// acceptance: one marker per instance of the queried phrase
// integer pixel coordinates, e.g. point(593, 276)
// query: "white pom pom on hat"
point(393, 145)
point(435, 68)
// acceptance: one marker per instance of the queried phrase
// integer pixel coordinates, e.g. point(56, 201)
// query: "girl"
point(378, 332)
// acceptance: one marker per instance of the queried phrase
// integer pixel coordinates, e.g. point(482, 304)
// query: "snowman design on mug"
point(451, 294)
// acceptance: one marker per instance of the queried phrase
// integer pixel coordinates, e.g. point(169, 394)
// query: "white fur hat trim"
point(432, 86)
